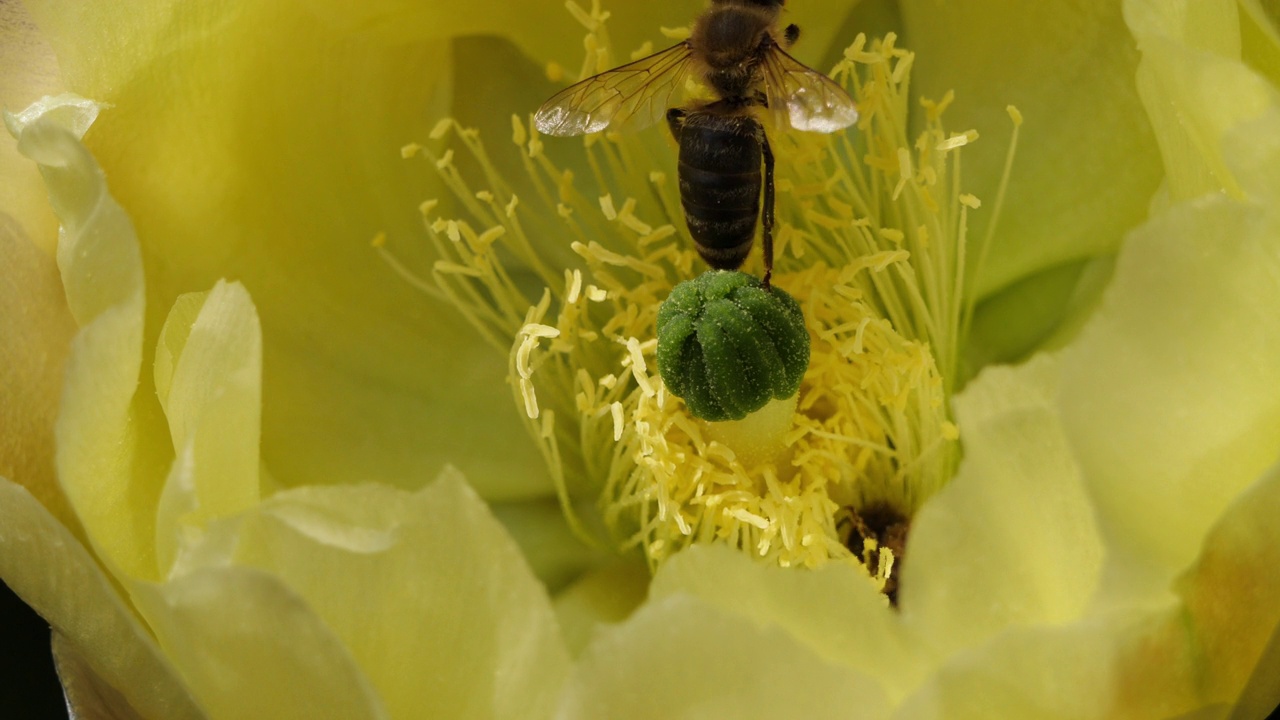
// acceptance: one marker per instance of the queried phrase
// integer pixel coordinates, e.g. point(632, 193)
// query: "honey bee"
point(738, 52)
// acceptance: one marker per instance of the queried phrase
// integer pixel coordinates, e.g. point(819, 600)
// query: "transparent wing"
point(803, 97)
point(636, 95)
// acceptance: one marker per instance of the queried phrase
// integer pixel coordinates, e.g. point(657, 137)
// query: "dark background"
point(29, 686)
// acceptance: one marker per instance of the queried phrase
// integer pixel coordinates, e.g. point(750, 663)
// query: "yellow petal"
point(835, 611)
point(208, 379)
point(49, 569)
point(261, 142)
point(110, 456)
point(1170, 395)
point(680, 657)
point(1185, 416)
point(1034, 673)
point(1012, 539)
point(251, 648)
point(1195, 89)
point(1087, 163)
point(425, 590)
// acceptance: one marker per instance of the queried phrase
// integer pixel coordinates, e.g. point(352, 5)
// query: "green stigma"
point(727, 345)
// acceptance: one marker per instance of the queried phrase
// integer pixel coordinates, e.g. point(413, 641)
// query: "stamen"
point(872, 242)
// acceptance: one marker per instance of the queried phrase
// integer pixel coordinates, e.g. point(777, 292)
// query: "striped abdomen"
point(720, 184)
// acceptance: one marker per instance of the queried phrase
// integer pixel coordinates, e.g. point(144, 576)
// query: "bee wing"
point(803, 97)
point(636, 94)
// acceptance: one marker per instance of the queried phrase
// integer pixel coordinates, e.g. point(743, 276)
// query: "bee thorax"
point(729, 35)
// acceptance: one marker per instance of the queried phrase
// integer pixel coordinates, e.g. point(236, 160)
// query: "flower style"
point(233, 514)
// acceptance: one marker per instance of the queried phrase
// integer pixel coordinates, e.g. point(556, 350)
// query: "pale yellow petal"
point(1012, 539)
point(250, 648)
point(1183, 418)
point(1170, 396)
point(680, 657)
point(1195, 89)
point(1119, 665)
point(426, 591)
point(1087, 162)
point(49, 569)
point(208, 379)
point(110, 450)
point(835, 611)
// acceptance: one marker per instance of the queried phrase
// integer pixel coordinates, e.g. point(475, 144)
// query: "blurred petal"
point(1087, 163)
point(836, 611)
point(425, 590)
point(1012, 539)
point(36, 328)
point(108, 458)
point(261, 142)
point(52, 572)
point(251, 648)
point(680, 657)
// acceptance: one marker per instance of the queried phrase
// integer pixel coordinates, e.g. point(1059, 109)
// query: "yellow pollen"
point(606, 207)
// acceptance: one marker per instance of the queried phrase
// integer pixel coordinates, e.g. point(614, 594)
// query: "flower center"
point(872, 241)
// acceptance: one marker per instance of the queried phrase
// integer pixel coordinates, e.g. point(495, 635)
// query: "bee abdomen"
point(720, 185)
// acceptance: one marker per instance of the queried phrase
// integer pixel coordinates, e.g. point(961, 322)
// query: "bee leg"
point(767, 220)
point(791, 34)
point(675, 121)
